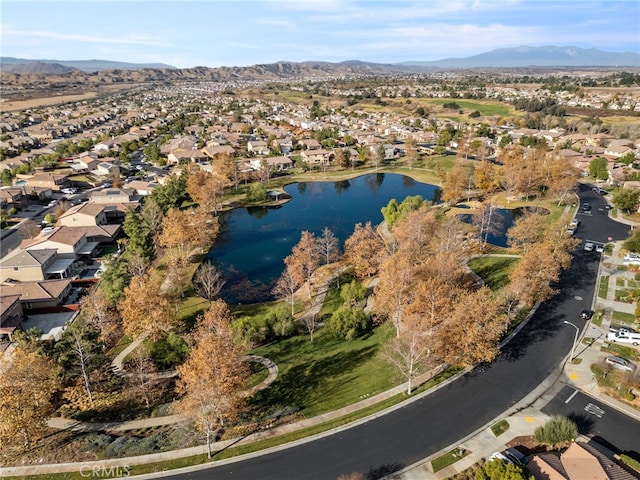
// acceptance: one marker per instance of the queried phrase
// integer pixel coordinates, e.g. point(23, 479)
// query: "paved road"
point(424, 427)
point(596, 419)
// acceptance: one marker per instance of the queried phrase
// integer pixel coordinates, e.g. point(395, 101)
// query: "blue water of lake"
point(253, 242)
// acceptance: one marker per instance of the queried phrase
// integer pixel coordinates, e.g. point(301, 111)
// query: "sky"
point(216, 33)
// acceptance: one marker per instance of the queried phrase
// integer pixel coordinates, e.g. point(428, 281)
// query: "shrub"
point(556, 430)
point(168, 351)
point(347, 322)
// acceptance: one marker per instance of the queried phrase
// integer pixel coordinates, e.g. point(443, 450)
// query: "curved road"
point(409, 434)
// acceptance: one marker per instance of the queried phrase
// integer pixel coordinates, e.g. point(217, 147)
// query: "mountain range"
point(23, 65)
point(547, 56)
point(524, 56)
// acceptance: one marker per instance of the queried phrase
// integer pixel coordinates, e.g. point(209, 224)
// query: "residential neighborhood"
point(127, 192)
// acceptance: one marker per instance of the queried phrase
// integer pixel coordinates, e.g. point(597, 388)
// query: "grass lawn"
point(486, 108)
point(623, 317)
point(629, 353)
point(500, 427)
point(603, 287)
point(328, 373)
point(448, 458)
point(493, 270)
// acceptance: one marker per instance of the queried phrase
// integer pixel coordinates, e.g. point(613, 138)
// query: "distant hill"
point(8, 64)
point(38, 67)
point(548, 56)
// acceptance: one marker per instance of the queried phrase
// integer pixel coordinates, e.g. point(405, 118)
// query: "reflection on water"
point(502, 219)
point(253, 242)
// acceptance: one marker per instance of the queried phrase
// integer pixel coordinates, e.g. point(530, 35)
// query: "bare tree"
point(328, 245)
point(408, 352)
point(28, 229)
point(208, 281)
point(311, 323)
point(286, 287)
point(143, 376)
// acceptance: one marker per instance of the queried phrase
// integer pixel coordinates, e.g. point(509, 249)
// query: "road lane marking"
point(594, 410)
point(571, 397)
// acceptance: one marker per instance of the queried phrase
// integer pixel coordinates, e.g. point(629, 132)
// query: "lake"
point(253, 242)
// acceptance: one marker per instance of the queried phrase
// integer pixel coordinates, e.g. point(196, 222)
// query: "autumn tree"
point(526, 231)
point(184, 230)
point(206, 189)
point(215, 321)
point(561, 177)
point(328, 246)
point(534, 274)
point(364, 250)
point(208, 281)
point(211, 380)
point(474, 328)
point(394, 290)
point(486, 177)
point(454, 184)
point(411, 151)
point(144, 308)
point(415, 230)
point(303, 260)
point(27, 385)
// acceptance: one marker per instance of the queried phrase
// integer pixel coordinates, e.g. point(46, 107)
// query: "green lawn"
point(486, 108)
point(603, 287)
point(326, 374)
point(623, 317)
point(493, 270)
point(448, 458)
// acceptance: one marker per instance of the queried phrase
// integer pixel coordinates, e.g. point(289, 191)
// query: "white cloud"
point(130, 39)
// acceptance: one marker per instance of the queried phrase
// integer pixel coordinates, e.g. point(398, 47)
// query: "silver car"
point(620, 363)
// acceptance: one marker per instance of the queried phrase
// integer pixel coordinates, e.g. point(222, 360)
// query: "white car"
point(588, 247)
point(600, 248)
point(631, 259)
point(69, 191)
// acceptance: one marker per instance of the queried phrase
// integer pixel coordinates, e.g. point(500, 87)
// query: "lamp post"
point(575, 340)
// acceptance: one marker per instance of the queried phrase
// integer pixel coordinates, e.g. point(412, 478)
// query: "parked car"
point(510, 455)
point(586, 314)
point(600, 248)
point(588, 247)
point(631, 259)
point(586, 207)
point(620, 363)
point(69, 191)
point(624, 337)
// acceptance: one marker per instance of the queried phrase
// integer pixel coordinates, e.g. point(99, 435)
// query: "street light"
point(575, 340)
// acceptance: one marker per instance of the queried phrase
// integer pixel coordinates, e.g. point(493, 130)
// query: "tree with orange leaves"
point(213, 376)
point(364, 250)
point(145, 308)
point(304, 259)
